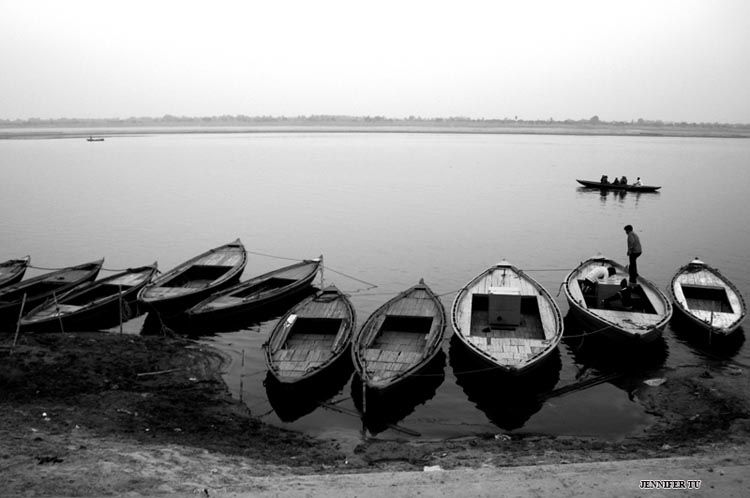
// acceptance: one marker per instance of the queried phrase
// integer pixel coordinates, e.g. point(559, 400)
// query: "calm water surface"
point(386, 210)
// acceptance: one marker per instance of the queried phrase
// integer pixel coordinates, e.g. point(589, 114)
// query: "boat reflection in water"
point(625, 365)
point(706, 343)
point(293, 401)
point(383, 409)
point(508, 400)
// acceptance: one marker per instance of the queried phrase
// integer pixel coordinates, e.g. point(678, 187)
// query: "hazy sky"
point(676, 60)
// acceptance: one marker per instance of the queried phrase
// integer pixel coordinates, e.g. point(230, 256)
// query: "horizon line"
point(594, 120)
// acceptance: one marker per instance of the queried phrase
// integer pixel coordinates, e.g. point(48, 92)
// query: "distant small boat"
point(256, 292)
point(13, 270)
point(312, 337)
point(95, 139)
point(629, 187)
point(707, 298)
point(93, 306)
point(399, 338)
point(507, 319)
point(643, 323)
point(195, 279)
point(38, 289)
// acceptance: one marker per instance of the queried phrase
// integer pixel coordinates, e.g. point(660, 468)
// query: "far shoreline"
point(103, 131)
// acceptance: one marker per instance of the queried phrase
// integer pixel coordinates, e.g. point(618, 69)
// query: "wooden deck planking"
point(163, 292)
point(418, 303)
point(513, 351)
point(706, 278)
point(227, 257)
point(294, 273)
point(129, 280)
point(543, 326)
point(318, 309)
point(399, 341)
point(68, 276)
point(385, 364)
point(530, 328)
point(634, 323)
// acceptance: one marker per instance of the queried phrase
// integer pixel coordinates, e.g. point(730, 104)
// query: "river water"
point(386, 210)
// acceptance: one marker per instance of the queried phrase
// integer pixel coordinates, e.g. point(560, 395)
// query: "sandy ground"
point(107, 414)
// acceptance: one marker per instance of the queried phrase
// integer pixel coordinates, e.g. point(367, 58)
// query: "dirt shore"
point(106, 414)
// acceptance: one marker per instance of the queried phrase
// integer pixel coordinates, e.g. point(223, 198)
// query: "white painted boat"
point(707, 298)
point(507, 319)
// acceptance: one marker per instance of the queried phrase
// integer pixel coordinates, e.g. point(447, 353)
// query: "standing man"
point(634, 250)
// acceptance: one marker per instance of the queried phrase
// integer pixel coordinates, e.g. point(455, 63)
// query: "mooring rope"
point(546, 269)
point(272, 256)
point(369, 284)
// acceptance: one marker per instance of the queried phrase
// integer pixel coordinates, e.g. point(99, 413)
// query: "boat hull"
point(644, 324)
point(12, 271)
point(707, 299)
point(195, 279)
point(260, 291)
point(311, 338)
point(515, 346)
point(96, 306)
point(624, 188)
point(40, 289)
point(400, 338)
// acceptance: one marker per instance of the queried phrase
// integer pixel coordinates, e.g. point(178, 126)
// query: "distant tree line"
point(244, 120)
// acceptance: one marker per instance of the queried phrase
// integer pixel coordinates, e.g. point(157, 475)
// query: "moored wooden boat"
point(629, 187)
point(399, 338)
point(93, 306)
point(13, 270)
point(506, 318)
point(195, 279)
point(707, 298)
point(256, 292)
point(31, 292)
point(312, 337)
point(651, 310)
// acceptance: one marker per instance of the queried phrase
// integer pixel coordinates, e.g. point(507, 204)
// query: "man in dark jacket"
point(634, 250)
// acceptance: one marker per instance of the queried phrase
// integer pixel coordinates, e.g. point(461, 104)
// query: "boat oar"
point(119, 305)
point(578, 386)
point(18, 323)
point(57, 310)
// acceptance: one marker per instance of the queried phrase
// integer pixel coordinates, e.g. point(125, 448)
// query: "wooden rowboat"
point(195, 279)
point(256, 292)
point(627, 187)
point(31, 292)
point(399, 338)
point(651, 310)
point(507, 319)
point(92, 306)
point(312, 337)
point(12, 271)
point(707, 298)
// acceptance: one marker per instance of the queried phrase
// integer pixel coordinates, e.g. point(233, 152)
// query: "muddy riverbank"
point(93, 414)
